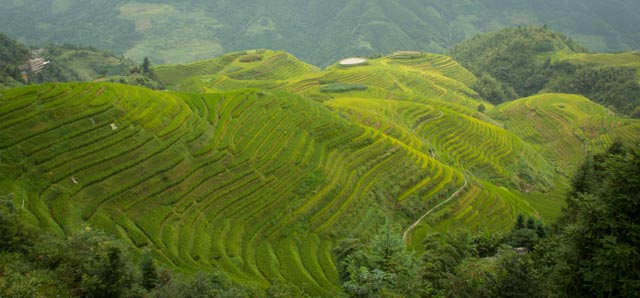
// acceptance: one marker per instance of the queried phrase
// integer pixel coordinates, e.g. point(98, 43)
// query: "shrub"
point(343, 87)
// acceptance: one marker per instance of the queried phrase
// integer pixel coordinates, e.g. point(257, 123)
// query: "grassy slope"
point(254, 68)
point(631, 59)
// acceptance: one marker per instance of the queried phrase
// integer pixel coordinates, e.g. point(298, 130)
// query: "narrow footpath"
point(414, 225)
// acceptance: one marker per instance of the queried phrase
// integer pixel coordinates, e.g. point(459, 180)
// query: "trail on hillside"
point(414, 225)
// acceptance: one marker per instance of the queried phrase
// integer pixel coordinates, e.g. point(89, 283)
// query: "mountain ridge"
point(337, 29)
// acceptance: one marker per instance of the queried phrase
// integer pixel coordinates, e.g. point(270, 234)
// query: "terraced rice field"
point(257, 183)
point(461, 141)
point(259, 173)
point(565, 127)
point(255, 68)
point(442, 64)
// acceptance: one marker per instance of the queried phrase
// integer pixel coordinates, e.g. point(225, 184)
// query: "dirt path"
point(414, 225)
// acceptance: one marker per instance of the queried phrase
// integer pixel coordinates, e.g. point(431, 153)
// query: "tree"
point(486, 244)
point(14, 235)
point(150, 276)
point(202, 285)
point(519, 222)
point(507, 274)
point(383, 267)
point(96, 265)
point(443, 254)
point(516, 276)
point(146, 66)
point(526, 233)
point(597, 253)
point(481, 108)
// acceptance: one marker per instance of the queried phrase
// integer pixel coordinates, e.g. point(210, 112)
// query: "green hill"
point(565, 127)
point(520, 62)
point(256, 68)
point(319, 32)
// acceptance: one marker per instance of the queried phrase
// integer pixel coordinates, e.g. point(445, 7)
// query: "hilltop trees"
point(12, 54)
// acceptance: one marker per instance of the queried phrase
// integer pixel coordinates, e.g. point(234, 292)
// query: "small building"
point(37, 64)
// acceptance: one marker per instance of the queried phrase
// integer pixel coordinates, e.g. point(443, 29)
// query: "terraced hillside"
point(629, 59)
point(422, 77)
point(258, 183)
point(565, 127)
point(423, 102)
point(263, 182)
point(256, 68)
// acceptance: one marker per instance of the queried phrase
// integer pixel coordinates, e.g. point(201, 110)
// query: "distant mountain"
point(319, 32)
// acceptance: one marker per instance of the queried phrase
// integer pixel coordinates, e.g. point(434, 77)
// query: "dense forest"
point(320, 32)
point(592, 251)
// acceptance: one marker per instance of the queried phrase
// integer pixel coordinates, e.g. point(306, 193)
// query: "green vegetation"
point(69, 63)
point(596, 250)
point(204, 172)
point(591, 252)
point(392, 178)
point(342, 87)
point(566, 127)
point(172, 32)
point(89, 263)
point(520, 62)
point(11, 56)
